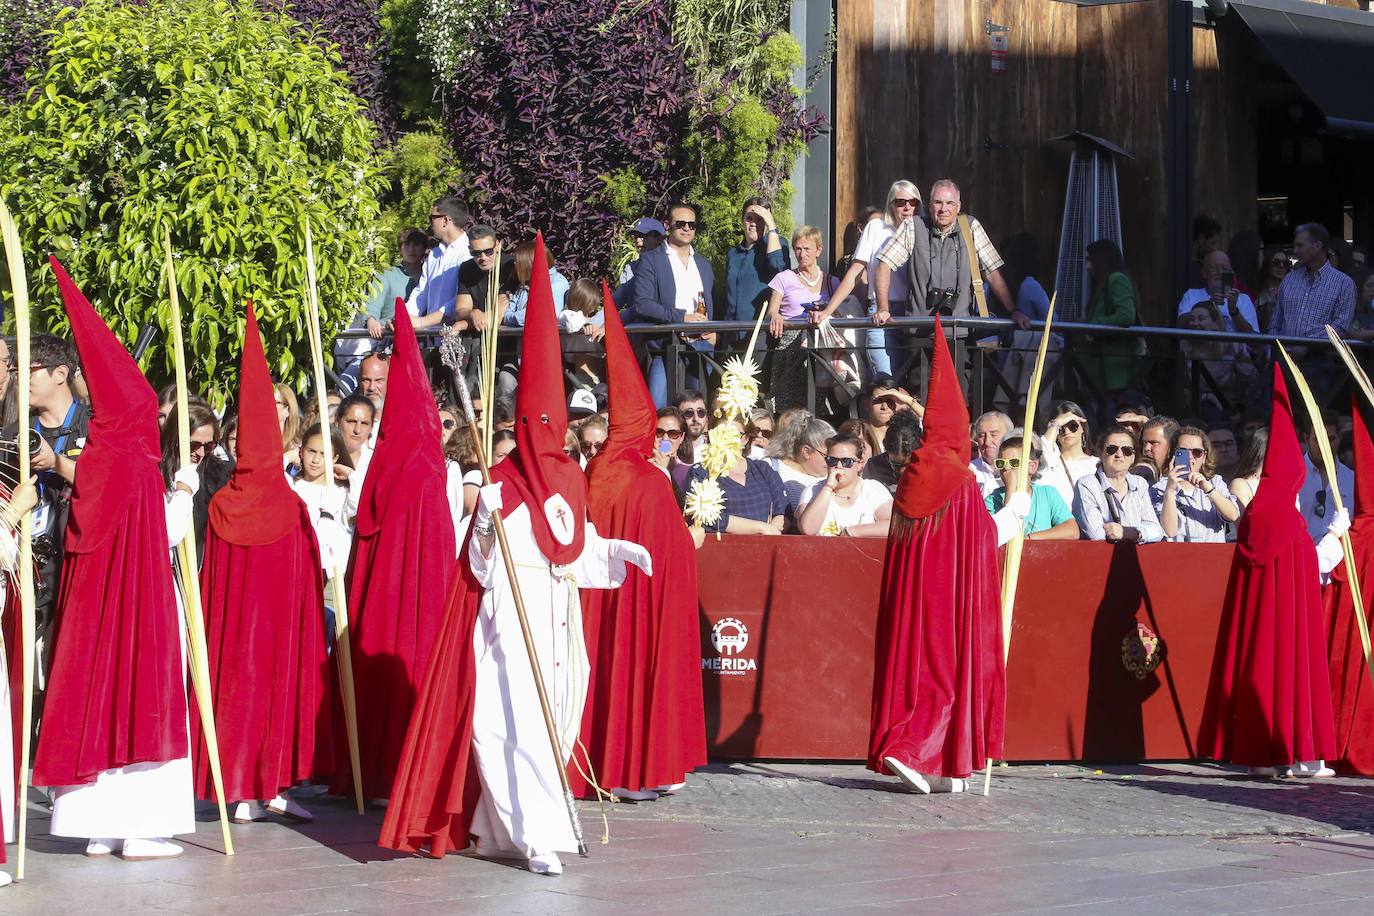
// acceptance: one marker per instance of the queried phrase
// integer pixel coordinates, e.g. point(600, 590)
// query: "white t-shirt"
point(1244, 305)
point(871, 241)
point(686, 279)
point(871, 497)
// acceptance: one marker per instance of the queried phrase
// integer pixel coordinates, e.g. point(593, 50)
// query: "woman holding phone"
point(1193, 502)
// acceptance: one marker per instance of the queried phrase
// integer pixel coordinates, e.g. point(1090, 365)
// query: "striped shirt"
point(1309, 300)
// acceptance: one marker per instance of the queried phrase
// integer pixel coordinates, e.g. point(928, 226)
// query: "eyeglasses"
point(1196, 452)
point(698, 412)
point(674, 434)
point(1278, 261)
point(483, 252)
point(1070, 427)
point(591, 448)
point(198, 447)
point(450, 424)
point(434, 216)
point(1003, 463)
point(760, 434)
point(832, 462)
point(684, 224)
point(904, 201)
point(1127, 451)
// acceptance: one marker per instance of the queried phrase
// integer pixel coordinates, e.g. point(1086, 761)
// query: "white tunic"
point(522, 808)
point(7, 808)
point(145, 800)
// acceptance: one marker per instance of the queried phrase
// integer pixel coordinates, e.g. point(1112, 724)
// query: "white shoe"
point(5, 878)
point(1309, 769)
point(546, 864)
point(144, 850)
point(940, 785)
point(98, 847)
point(488, 850)
point(246, 812)
point(914, 781)
point(635, 795)
point(289, 808)
point(669, 790)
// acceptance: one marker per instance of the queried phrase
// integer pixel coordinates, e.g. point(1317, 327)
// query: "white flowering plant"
point(452, 31)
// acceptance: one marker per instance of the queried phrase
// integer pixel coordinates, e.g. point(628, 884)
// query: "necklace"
point(807, 280)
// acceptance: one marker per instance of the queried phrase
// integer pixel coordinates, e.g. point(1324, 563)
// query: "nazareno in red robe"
point(400, 568)
point(1269, 699)
point(1351, 698)
point(115, 693)
point(644, 721)
point(263, 597)
point(939, 681)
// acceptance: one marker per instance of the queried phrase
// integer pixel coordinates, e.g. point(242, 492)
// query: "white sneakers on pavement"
point(5, 878)
point(246, 812)
point(287, 807)
point(669, 790)
point(145, 850)
point(923, 783)
point(546, 863)
point(635, 795)
point(98, 847)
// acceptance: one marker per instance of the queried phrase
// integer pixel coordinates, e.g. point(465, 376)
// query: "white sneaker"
point(246, 812)
point(5, 878)
point(98, 847)
point(546, 863)
point(287, 807)
point(914, 781)
point(669, 790)
point(488, 850)
point(144, 850)
point(1309, 769)
point(634, 795)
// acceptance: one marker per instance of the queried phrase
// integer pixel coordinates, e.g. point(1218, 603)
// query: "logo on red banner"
point(729, 637)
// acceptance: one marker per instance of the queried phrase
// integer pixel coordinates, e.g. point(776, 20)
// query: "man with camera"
point(55, 438)
point(934, 251)
point(1237, 310)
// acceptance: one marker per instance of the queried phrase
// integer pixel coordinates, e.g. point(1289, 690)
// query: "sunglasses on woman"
point(674, 434)
point(1126, 451)
point(1003, 463)
point(1070, 427)
point(832, 462)
point(1196, 452)
point(760, 433)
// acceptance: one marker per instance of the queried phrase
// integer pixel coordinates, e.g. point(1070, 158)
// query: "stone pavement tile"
point(535, 902)
point(1246, 898)
point(650, 891)
point(1300, 858)
point(285, 903)
point(1353, 884)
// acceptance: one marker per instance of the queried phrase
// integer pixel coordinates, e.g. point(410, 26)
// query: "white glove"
point(488, 503)
point(188, 478)
point(1340, 524)
point(630, 552)
point(332, 501)
point(1019, 504)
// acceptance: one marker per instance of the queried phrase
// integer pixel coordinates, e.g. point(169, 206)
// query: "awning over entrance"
point(1328, 52)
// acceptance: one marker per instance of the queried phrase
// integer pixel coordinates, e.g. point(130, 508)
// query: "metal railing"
point(1163, 365)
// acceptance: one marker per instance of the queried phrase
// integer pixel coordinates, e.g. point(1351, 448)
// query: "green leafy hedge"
point(212, 118)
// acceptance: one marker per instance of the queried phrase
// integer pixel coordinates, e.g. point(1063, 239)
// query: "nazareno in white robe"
point(145, 800)
point(8, 811)
point(522, 808)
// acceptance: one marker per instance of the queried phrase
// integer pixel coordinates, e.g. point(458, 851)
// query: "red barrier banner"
point(1110, 655)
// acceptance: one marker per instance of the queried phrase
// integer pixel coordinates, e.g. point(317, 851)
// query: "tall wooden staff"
point(452, 353)
point(1011, 572)
point(343, 649)
point(24, 572)
point(186, 560)
point(495, 315)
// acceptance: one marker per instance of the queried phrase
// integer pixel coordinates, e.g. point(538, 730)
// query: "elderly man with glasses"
point(434, 298)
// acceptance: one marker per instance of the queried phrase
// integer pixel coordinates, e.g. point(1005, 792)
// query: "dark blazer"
point(655, 291)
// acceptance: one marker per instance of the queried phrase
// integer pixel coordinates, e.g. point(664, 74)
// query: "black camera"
point(941, 301)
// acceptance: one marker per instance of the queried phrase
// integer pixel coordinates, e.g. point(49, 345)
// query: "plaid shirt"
point(898, 249)
point(760, 498)
point(1309, 300)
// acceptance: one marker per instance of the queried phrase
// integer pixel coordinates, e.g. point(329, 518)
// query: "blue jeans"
point(887, 346)
point(658, 373)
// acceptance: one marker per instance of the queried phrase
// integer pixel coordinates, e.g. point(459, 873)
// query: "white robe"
point(522, 808)
point(146, 800)
point(8, 811)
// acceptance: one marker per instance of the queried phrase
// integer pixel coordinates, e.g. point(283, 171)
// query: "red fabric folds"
point(643, 724)
point(939, 683)
point(1269, 699)
point(1351, 698)
point(436, 785)
point(263, 602)
point(400, 568)
point(539, 471)
point(939, 468)
point(115, 691)
point(257, 506)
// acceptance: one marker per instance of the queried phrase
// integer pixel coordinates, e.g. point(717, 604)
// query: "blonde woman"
point(806, 288)
point(289, 416)
point(903, 203)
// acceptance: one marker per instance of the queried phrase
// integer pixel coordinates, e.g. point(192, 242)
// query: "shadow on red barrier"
point(1110, 656)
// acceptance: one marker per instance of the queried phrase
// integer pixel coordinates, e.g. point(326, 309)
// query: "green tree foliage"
point(408, 66)
point(212, 118)
point(421, 168)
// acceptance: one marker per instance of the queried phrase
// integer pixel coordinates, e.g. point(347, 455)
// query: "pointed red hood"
point(539, 472)
point(257, 505)
point(1362, 413)
point(632, 419)
point(408, 443)
point(123, 421)
point(940, 465)
point(1270, 520)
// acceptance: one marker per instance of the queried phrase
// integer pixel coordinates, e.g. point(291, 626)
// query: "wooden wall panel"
point(1226, 170)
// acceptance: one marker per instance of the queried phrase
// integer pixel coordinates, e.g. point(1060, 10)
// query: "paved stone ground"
point(787, 838)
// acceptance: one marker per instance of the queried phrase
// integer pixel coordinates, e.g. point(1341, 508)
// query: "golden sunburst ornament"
point(705, 503)
point(739, 388)
point(724, 446)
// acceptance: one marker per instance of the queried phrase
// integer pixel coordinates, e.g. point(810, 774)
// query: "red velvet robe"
point(939, 682)
point(265, 630)
point(644, 721)
point(1352, 700)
